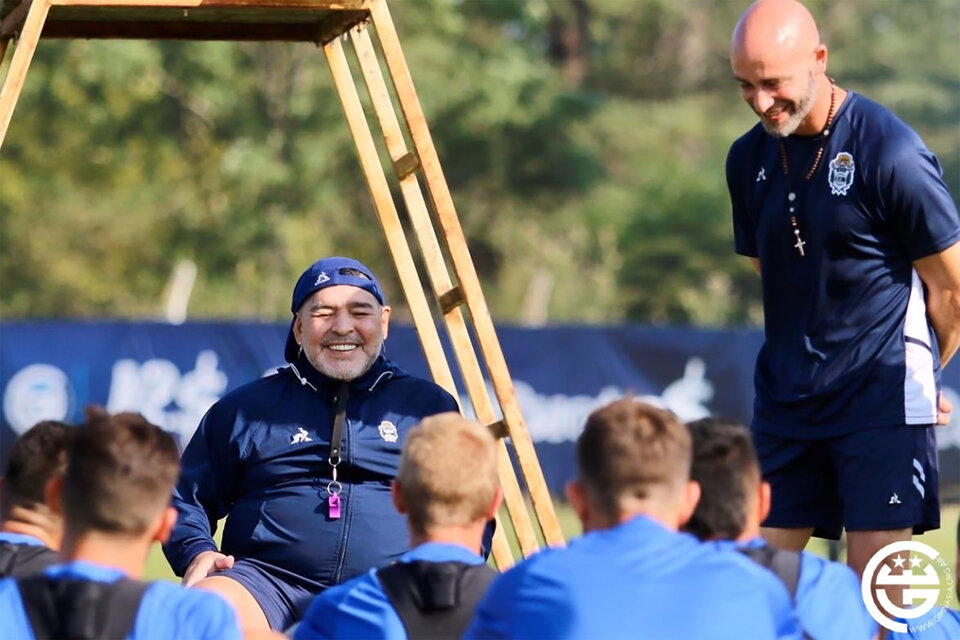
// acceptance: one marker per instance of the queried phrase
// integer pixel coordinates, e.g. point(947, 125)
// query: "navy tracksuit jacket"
point(260, 456)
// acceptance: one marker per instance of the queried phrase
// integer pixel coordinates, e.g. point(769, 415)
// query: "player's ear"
point(766, 498)
point(577, 499)
point(53, 494)
point(298, 329)
point(688, 502)
point(165, 522)
point(398, 502)
point(385, 320)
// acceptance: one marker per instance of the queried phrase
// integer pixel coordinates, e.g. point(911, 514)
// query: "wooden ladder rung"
point(451, 300)
point(406, 164)
point(499, 429)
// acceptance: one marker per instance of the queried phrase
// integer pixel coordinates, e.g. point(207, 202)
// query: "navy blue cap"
point(328, 272)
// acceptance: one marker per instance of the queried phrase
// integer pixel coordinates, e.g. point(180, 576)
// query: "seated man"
point(301, 460)
point(115, 498)
point(733, 503)
point(29, 531)
point(447, 486)
point(632, 575)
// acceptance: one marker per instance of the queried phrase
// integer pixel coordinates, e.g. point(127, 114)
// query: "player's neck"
point(37, 523)
point(126, 553)
point(817, 120)
point(469, 536)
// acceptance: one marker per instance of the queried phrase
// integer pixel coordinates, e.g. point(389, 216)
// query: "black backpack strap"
point(24, 559)
point(8, 556)
point(784, 564)
point(81, 609)
point(435, 600)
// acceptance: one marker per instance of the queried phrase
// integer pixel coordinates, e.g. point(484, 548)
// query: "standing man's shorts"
point(871, 480)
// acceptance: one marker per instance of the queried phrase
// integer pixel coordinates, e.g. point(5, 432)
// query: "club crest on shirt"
point(841, 174)
point(388, 431)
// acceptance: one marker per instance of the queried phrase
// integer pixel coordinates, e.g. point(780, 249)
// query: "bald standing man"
point(844, 214)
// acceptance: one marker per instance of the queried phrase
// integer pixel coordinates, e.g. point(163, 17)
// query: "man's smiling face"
point(341, 330)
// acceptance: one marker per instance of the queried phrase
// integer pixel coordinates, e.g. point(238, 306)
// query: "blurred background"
point(143, 184)
point(583, 141)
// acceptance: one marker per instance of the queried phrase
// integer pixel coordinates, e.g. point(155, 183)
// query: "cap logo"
point(323, 277)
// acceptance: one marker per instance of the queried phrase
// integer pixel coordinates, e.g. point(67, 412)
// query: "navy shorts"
point(283, 596)
point(871, 480)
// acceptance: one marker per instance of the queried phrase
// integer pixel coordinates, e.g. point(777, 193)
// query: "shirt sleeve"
point(744, 229)
point(916, 200)
point(205, 490)
point(829, 602)
point(355, 609)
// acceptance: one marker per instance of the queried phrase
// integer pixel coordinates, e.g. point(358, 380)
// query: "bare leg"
point(787, 539)
point(861, 545)
point(249, 614)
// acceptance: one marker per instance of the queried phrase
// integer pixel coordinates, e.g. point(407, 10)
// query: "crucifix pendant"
point(800, 243)
point(796, 232)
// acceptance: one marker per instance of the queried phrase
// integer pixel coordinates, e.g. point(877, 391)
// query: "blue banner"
point(172, 374)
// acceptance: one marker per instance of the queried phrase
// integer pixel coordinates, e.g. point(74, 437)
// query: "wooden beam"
point(465, 270)
point(320, 32)
point(402, 258)
point(389, 219)
point(14, 20)
point(440, 279)
point(329, 5)
point(20, 63)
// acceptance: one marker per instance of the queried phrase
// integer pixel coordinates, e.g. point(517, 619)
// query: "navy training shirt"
point(848, 344)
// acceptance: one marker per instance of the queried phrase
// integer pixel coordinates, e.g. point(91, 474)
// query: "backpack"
point(81, 609)
point(25, 559)
point(784, 564)
point(435, 600)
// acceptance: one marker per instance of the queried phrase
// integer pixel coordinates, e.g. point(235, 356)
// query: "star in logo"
point(915, 562)
point(898, 562)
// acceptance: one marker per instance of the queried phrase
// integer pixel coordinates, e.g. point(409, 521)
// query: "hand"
point(203, 564)
point(943, 411)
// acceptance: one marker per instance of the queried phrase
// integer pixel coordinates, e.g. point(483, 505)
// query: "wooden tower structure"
point(449, 268)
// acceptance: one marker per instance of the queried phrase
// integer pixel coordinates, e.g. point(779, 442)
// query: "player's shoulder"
point(256, 392)
point(419, 392)
point(194, 612)
point(364, 587)
point(746, 149)
point(879, 130)
point(748, 143)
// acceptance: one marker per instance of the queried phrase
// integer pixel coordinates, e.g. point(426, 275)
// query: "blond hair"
point(448, 472)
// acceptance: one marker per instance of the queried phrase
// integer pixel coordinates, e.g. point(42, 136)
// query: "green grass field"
point(943, 540)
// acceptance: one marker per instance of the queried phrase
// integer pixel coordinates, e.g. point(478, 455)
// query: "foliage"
point(583, 141)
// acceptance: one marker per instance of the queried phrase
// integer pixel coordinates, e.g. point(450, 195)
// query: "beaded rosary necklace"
point(813, 168)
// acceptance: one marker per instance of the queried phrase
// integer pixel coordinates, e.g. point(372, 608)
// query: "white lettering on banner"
point(36, 392)
point(560, 418)
point(164, 397)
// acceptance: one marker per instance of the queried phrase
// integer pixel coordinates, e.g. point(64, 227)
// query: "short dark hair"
point(725, 465)
point(120, 475)
point(35, 457)
point(628, 449)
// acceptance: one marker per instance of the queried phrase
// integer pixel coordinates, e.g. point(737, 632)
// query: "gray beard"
point(803, 108)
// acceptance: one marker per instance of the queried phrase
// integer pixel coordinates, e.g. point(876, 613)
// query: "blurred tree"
point(582, 139)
